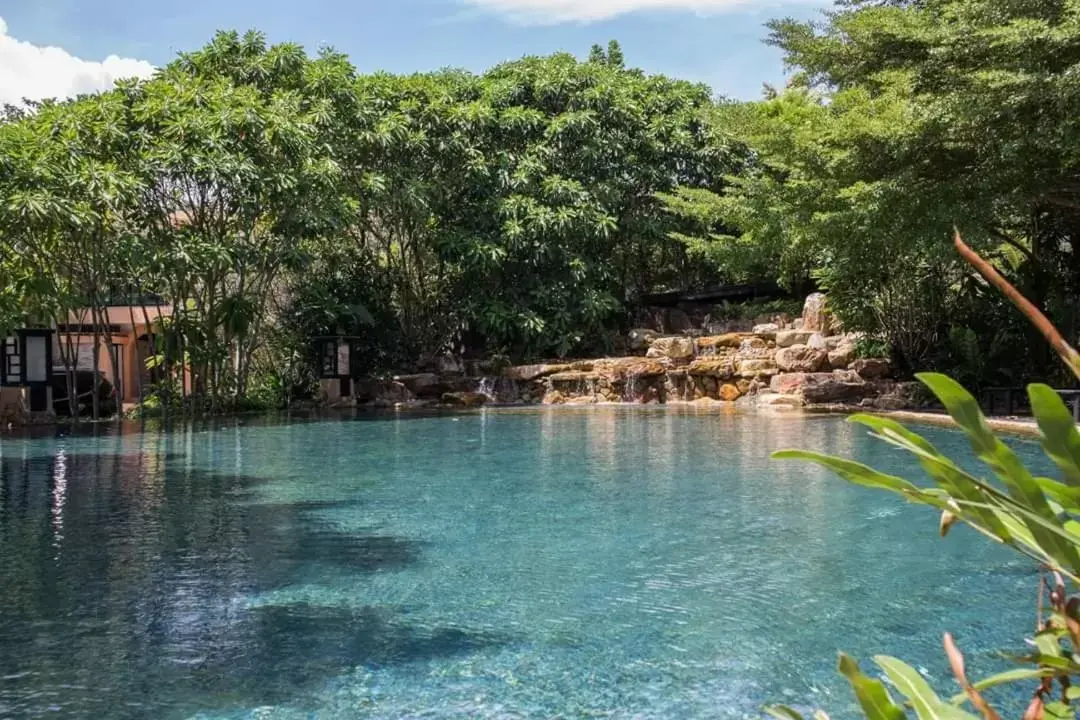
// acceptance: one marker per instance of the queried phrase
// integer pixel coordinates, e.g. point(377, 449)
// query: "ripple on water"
point(612, 564)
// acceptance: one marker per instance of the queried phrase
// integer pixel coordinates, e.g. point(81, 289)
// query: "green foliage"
point(871, 347)
point(903, 118)
point(754, 309)
point(265, 196)
point(1036, 516)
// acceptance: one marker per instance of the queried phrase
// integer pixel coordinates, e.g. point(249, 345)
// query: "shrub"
point(1039, 517)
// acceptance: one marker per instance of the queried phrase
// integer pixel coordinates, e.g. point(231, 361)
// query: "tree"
point(903, 118)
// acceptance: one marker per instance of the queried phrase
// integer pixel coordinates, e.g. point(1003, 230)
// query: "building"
point(26, 359)
point(131, 324)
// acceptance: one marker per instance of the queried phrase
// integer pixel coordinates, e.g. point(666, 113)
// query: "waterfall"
point(487, 389)
point(628, 391)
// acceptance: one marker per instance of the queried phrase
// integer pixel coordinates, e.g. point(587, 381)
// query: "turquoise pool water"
point(603, 563)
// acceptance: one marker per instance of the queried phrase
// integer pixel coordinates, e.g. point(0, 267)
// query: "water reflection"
point(620, 562)
point(124, 573)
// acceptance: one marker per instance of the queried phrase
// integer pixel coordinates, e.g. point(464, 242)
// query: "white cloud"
point(584, 11)
point(37, 73)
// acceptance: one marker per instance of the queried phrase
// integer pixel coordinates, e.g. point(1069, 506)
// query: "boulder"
point(423, 385)
point(842, 356)
point(800, 358)
point(464, 399)
point(754, 349)
point(722, 368)
point(820, 387)
point(572, 376)
point(793, 383)
point(871, 368)
point(554, 398)
point(628, 367)
point(583, 400)
point(730, 393)
point(779, 402)
point(679, 349)
point(714, 343)
point(817, 341)
point(766, 331)
point(787, 338)
point(755, 367)
point(383, 392)
point(529, 373)
point(849, 376)
point(834, 391)
point(744, 386)
point(815, 315)
point(890, 395)
point(641, 338)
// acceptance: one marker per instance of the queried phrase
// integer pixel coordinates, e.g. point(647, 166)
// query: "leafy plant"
point(1037, 516)
point(871, 347)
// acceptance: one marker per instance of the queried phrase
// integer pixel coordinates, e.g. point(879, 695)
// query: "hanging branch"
point(1037, 318)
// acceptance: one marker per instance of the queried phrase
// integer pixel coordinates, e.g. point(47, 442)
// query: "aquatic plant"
point(1036, 516)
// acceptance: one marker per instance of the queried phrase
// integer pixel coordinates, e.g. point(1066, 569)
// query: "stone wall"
point(806, 361)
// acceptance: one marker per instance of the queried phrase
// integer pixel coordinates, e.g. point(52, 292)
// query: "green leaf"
point(852, 471)
point(1055, 663)
point(1047, 642)
point(1065, 495)
point(1060, 438)
point(927, 705)
point(1009, 676)
point(943, 470)
point(783, 712)
point(872, 695)
point(1059, 711)
point(964, 409)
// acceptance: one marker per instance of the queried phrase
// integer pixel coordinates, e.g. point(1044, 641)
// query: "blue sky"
point(713, 41)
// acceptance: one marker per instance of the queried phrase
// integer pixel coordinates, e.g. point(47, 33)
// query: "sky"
point(58, 48)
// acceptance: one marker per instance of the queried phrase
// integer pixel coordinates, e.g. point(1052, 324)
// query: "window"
point(329, 359)
point(12, 361)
